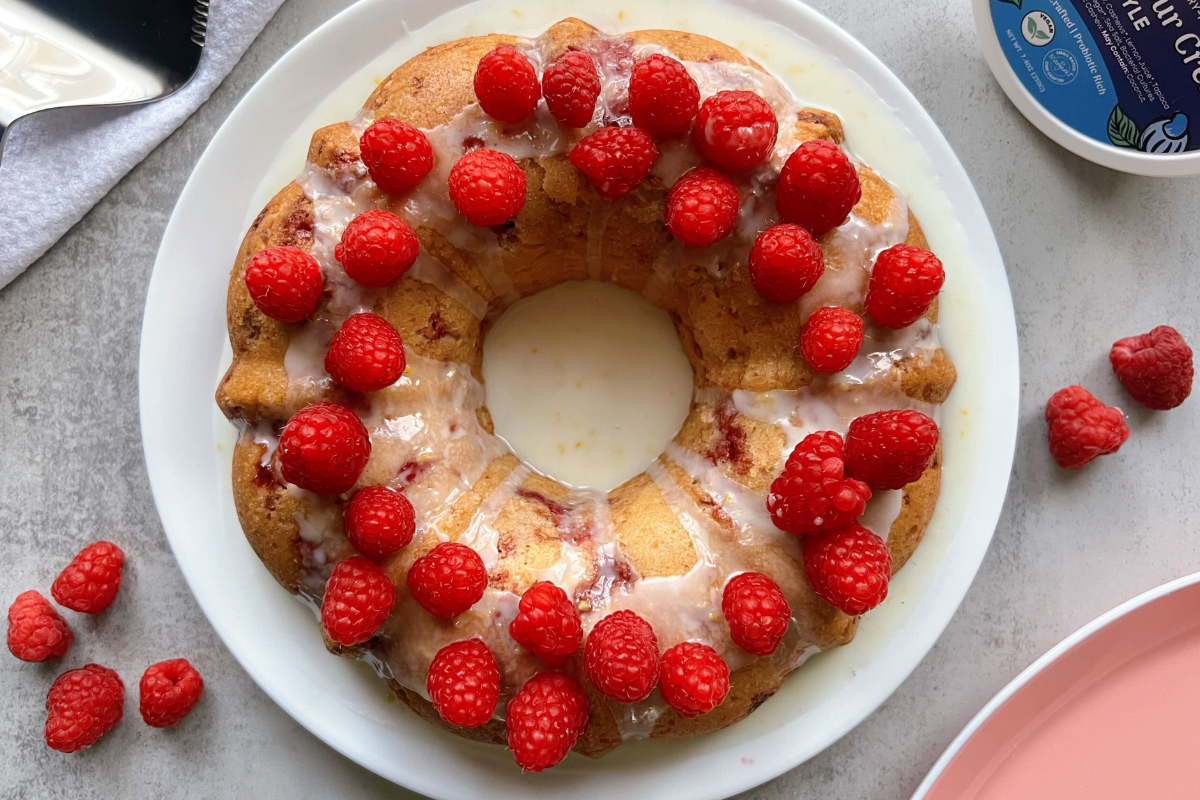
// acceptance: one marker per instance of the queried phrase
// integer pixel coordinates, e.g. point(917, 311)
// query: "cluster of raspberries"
point(83, 704)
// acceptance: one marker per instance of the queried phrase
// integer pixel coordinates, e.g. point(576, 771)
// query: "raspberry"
point(1082, 428)
point(904, 281)
point(830, 339)
point(376, 248)
point(35, 630)
point(544, 720)
point(571, 87)
point(447, 580)
point(702, 207)
point(366, 354)
point(547, 623)
point(90, 582)
point(82, 705)
point(848, 568)
point(812, 495)
point(663, 97)
point(890, 449)
point(464, 683)
point(735, 130)
point(1156, 367)
point(817, 187)
point(785, 262)
point(507, 85)
point(756, 611)
point(379, 521)
point(397, 155)
point(695, 679)
point(615, 160)
point(167, 691)
point(487, 187)
point(284, 282)
point(324, 448)
point(621, 657)
point(358, 597)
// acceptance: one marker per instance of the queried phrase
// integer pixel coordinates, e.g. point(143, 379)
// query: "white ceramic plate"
point(275, 638)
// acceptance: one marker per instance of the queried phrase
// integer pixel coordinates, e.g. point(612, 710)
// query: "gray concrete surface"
point(1092, 255)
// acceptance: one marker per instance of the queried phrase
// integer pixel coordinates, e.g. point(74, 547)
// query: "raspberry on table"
point(544, 720)
point(285, 283)
point(813, 494)
point(615, 160)
point(756, 611)
point(830, 339)
point(487, 187)
point(785, 263)
point(1081, 428)
point(464, 683)
point(621, 657)
point(82, 705)
point(167, 692)
point(379, 521)
point(571, 86)
point(366, 354)
point(890, 449)
point(324, 448)
point(448, 580)
point(547, 623)
point(35, 630)
point(904, 283)
point(398, 155)
point(817, 187)
point(358, 598)
point(663, 97)
point(377, 248)
point(506, 84)
point(1155, 367)
point(848, 568)
point(90, 582)
point(735, 130)
point(695, 679)
point(702, 207)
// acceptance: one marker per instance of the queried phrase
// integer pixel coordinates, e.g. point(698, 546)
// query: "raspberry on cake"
point(889, 449)
point(284, 283)
point(818, 186)
point(695, 679)
point(615, 160)
point(545, 719)
point(904, 282)
point(379, 521)
point(547, 623)
point(663, 96)
point(358, 598)
point(813, 494)
point(621, 657)
point(702, 207)
point(785, 263)
point(397, 155)
point(849, 568)
point(376, 248)
point(571, 86)
point(366, 354)
point(507, 85)
point(464, 683)
point(735, 130)
point(830, 339)
point(756, 611)
point(447, 580)
point(487, 188)
point(324, 448)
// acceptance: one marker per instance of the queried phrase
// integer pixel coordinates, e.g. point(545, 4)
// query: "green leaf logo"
point(1031, 26)
point(1040, 35)
point(1016, 3)
point(1123, 131)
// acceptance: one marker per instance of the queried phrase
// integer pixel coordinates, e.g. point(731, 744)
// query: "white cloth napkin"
point(57, 164)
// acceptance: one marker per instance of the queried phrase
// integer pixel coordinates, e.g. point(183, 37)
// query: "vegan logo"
point(1037, 28)
point(1163, 135)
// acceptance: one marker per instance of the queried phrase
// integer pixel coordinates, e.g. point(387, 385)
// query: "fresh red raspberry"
point(324, 448)
point(167, 692)
point(284, 282)
point(1082, 428)
point(464, 683)
point(812, 494)
point(507, 84)
point(379, 521)
point(544, 720)
point(358, 598)
point(366, 354)
point(785, 263)
point(890, 449)
point(90, 582)
point(904, 282)
point(547, 623)
point(756, 611)
point(616, 160)
point(571, 86)
point(1156, 367)
point(621, 657)
point(735, 130)
point(397, 155)
point(487, 187)
point(848, 568)
point(82, 705)
point(35, 630)
point(702, 207)
point(663, 97)
point(817, 187)
point(377, 248)
point(830, 339)
point(447, 580)
point(695, 679)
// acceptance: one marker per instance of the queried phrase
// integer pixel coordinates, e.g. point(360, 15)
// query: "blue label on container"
point(1125, 72)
